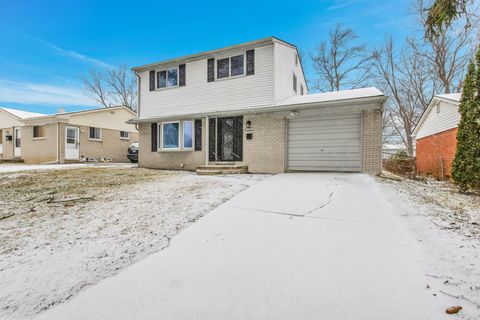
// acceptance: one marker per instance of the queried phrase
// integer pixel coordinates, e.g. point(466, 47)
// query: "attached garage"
point(318, 142)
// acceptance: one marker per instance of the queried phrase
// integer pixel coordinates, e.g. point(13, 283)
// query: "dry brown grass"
point(23, 192)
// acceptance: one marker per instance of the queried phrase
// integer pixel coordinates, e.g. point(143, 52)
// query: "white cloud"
point(42, 94)
point(73, 54)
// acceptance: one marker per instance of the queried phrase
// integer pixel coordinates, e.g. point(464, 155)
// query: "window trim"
point(41, 137)
point(161, 147)
point(95, 139)
point(192, 132)
point(244, 54)
point(157, 72)
point(125, 138)
point(181, 141)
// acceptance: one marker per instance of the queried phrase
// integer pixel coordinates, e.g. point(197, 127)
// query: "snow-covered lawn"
point(66, 230)
point(446, 225)
point(294, 246)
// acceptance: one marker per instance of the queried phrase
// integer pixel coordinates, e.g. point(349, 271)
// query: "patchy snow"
point(334, 96)
point(446, 225)
point(7, 167)
point(294, 246)
point(47, 259)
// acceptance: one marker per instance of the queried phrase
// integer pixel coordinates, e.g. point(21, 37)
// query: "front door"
point(17, 136)
point(72, 143)
point(226, 139)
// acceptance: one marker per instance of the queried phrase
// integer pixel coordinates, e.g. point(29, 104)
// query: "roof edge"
point(195, 56)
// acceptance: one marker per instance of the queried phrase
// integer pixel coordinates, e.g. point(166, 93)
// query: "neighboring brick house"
point(436, 136)
point(11, 123)
point(89, 135)
point(248, 105)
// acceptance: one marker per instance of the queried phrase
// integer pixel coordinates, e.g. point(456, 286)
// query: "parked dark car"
point(132, 154)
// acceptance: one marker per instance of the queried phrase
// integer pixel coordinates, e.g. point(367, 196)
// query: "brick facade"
point(372, 142)
point(266, 151)
point(435, 154)
point(41, 150)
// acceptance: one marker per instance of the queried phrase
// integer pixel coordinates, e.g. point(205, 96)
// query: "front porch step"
point(15, 160)
point(221, 169)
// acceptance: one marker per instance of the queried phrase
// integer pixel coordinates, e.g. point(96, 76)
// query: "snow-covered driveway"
point(295, 246)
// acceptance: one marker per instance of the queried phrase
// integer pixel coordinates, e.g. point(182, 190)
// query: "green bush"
point(466, 165)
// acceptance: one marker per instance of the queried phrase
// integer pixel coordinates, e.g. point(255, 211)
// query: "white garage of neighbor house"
point(247, 107)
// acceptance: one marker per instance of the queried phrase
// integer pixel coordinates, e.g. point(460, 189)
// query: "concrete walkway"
point(295, 246)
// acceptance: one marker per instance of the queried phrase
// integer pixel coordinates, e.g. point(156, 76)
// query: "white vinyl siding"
point(320, 142)
point(435, 122)
point(200, 96)
point(285, 65)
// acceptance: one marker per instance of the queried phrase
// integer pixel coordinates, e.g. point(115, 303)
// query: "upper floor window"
point(95, 134)
point(167, 78)
point(294, 83)
point(296, 60)
point(39, 131)
point(124, 135)
point(231, 67)
point(438, 107)
point(301, 90)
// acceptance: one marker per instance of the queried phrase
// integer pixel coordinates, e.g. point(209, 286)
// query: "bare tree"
point(111, 88)
point(402, 78)
point(339, 62)
point(448, 52)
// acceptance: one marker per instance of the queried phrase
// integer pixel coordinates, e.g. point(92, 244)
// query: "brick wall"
point(264, 153)
point(372, 142)
point(435, 154)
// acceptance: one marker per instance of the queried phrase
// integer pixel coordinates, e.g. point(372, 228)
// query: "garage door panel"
point(319, 143)
point(312, 136)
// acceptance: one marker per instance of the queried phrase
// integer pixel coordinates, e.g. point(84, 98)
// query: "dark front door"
point(226, 139)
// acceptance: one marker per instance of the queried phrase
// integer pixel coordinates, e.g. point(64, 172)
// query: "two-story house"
point(249, 105)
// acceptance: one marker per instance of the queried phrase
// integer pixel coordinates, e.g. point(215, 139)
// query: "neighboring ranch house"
point(248, 105)
point(436, 136)
point(90, 135)
point(11, 123)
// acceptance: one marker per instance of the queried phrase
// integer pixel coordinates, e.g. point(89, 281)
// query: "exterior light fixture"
point(293, 113)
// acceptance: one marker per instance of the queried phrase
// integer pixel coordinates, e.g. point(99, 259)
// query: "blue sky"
point(45, 46)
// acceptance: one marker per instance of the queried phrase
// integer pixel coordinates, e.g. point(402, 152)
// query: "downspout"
point(138, 93)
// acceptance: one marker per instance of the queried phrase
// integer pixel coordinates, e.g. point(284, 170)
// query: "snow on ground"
point(47, 258)
point(446, 224)
point(16, 167)
point(294, 246)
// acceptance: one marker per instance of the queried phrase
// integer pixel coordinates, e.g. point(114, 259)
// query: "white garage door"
point(325, 143)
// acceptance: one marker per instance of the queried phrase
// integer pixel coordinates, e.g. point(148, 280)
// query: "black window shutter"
point(198, 135)
point(211, 70)
point(181, 76)
point(238, 138)
point(154, 137)
point(211, 139)
point(250, 62)
point(152, 80)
